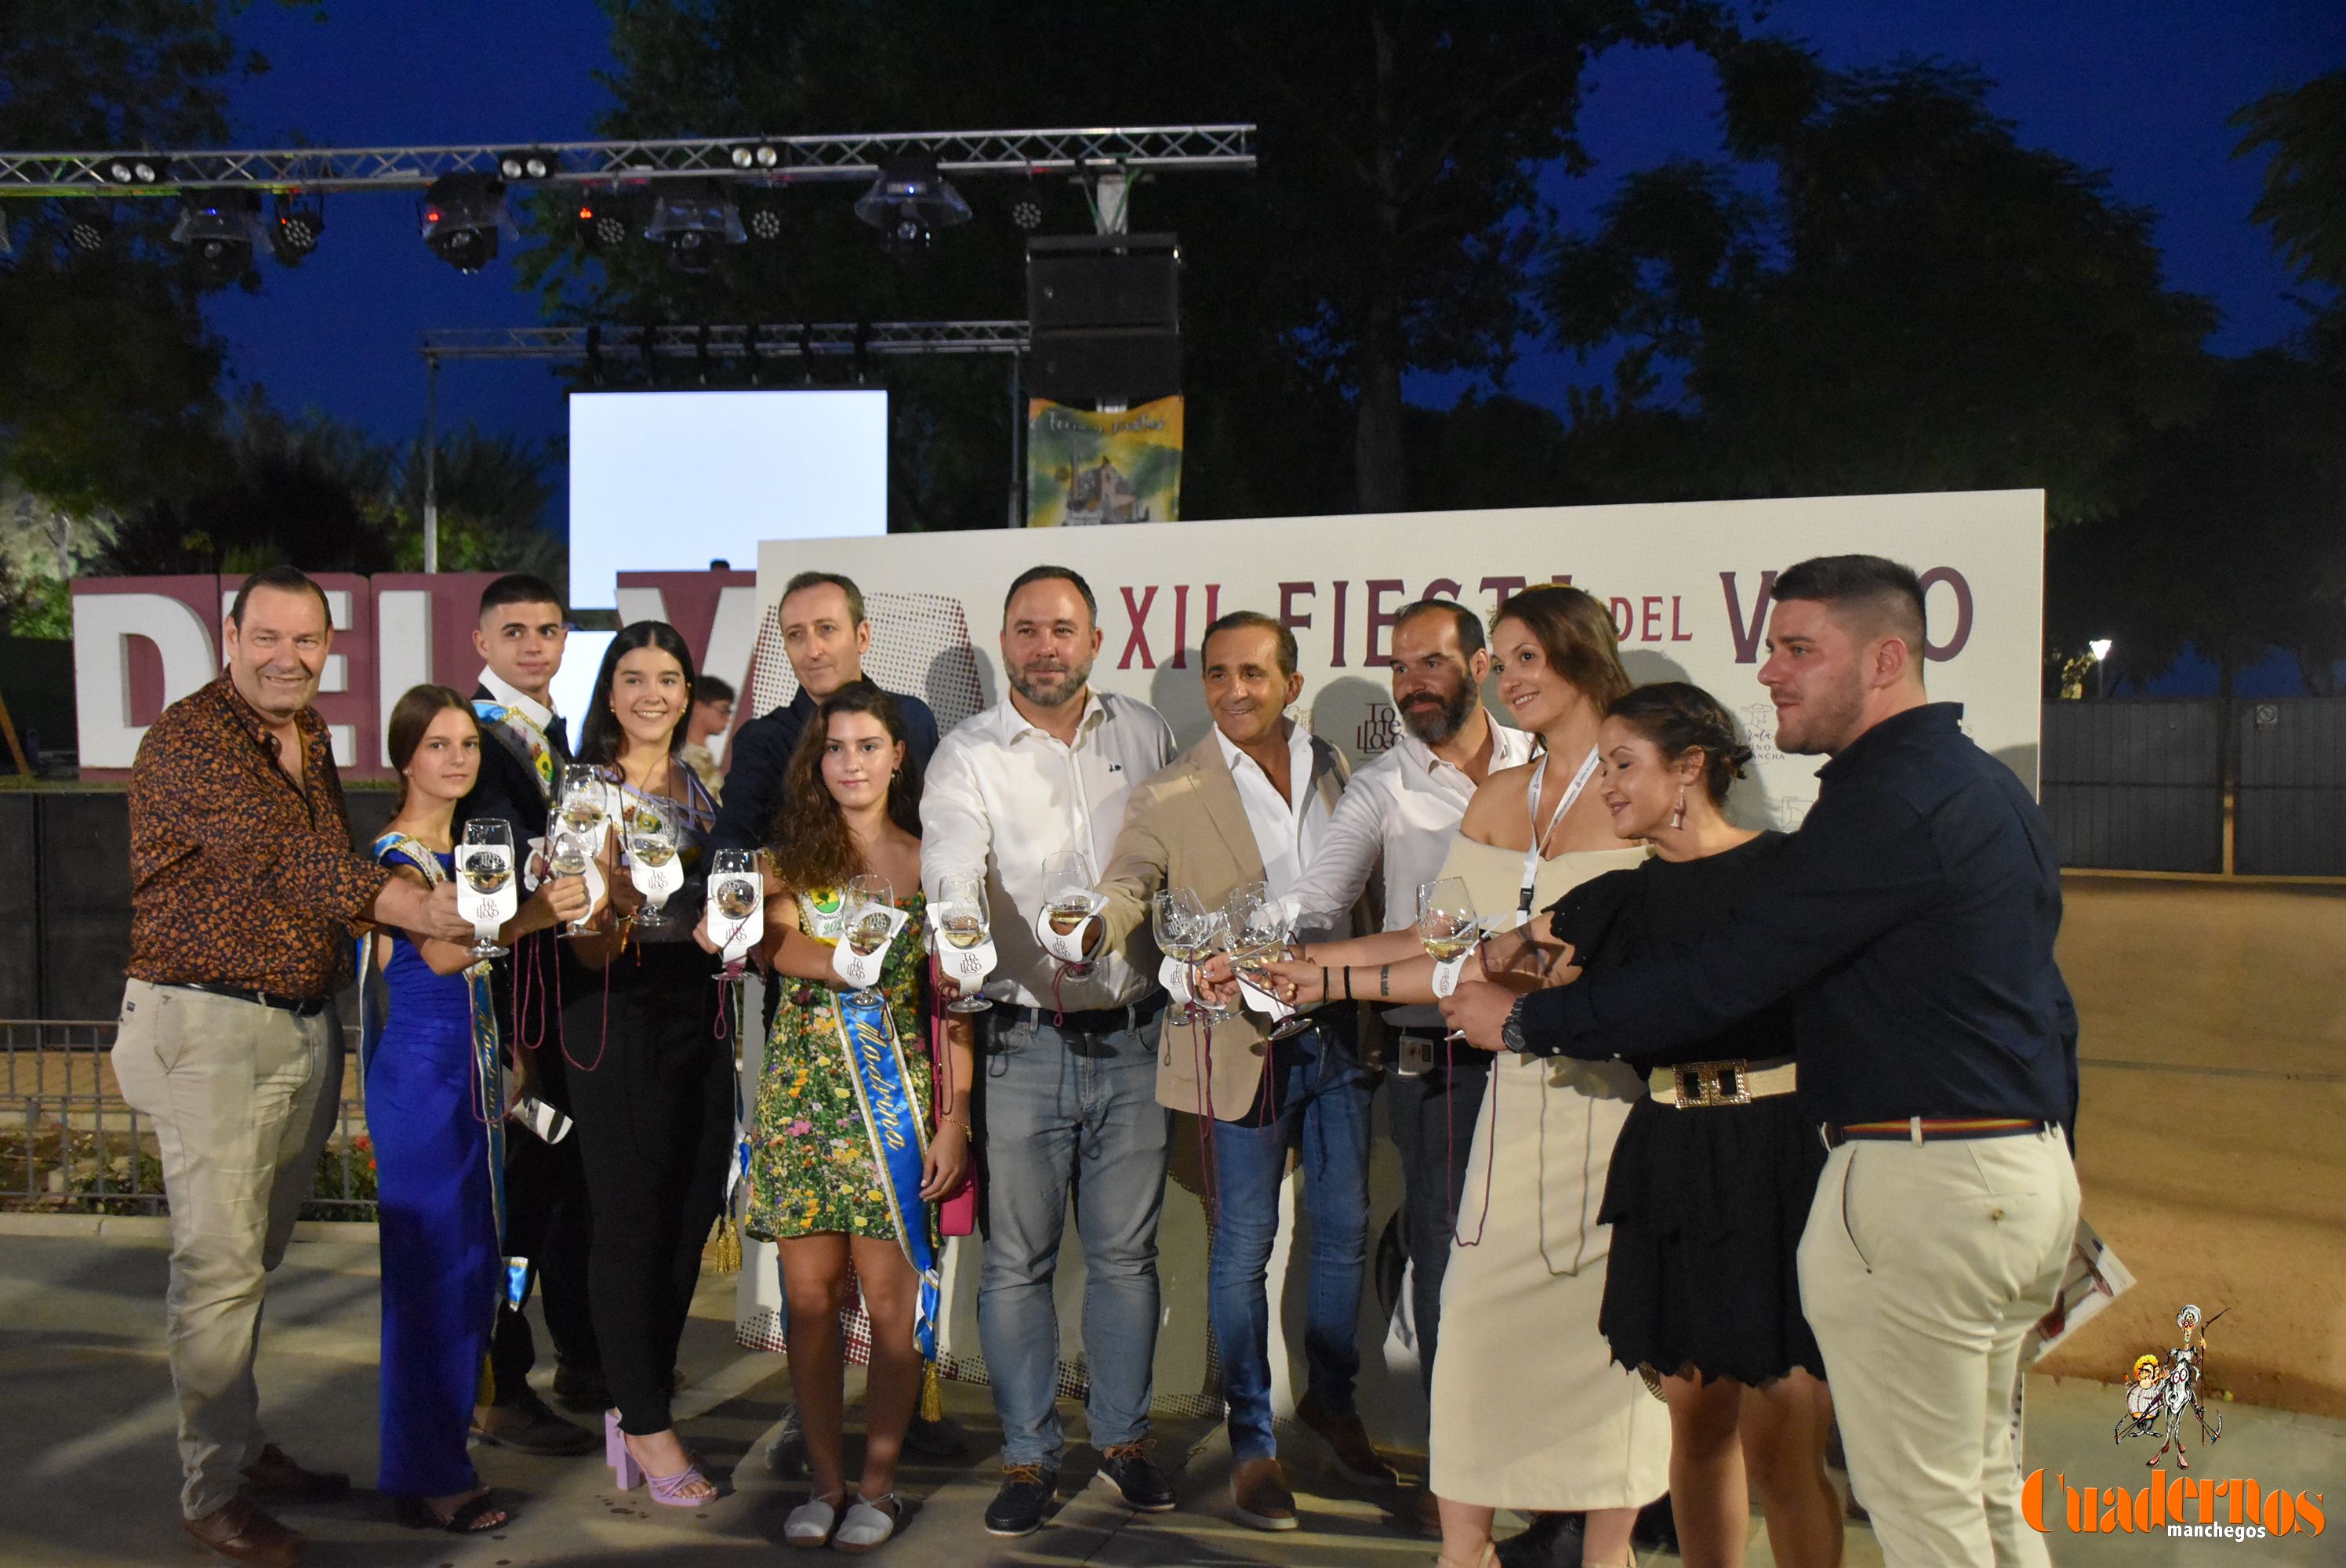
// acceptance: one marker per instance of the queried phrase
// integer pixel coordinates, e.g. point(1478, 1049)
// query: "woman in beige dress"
point(1530, 1412)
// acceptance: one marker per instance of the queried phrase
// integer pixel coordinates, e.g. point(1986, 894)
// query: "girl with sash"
point(846, 1159)
point(650, 1059)
point(434, 1106)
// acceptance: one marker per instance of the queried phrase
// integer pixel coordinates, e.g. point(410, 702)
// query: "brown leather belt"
point(1935, 1129)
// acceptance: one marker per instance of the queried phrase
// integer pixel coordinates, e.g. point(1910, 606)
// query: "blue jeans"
point(1315, 1100)
point(1066, 1108)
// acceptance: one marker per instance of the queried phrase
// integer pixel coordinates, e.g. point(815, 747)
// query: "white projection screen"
point(667, 482)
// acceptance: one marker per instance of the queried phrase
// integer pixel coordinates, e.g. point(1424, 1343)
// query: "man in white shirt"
point(1400, 812)
point(1249, 805)
point(1070, 1050)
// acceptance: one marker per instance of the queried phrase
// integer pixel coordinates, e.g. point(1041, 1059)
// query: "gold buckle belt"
point(1692, 1085)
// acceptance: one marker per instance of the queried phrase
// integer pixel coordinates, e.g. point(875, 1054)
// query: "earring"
point(1677, 817)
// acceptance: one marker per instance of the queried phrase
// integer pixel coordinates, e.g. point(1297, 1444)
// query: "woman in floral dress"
point(850, 808)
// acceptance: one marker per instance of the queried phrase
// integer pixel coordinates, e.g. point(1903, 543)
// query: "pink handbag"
point(957, 1212)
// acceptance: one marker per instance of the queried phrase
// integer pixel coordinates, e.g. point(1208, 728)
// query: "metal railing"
point(69, 1144)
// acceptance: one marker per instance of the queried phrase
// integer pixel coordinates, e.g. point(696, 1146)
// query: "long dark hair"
point(600, 737)
point(1677, 719)
point(808, 838)
point(411, 716)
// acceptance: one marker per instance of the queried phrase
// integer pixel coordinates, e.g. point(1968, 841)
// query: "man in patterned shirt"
point(244, 890)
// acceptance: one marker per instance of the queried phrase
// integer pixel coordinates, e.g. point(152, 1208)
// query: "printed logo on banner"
point(1379, 731)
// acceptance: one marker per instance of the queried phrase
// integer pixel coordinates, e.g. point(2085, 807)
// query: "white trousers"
point(1921, 1268)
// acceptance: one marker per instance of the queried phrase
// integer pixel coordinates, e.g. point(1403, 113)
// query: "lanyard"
point(1531, 810)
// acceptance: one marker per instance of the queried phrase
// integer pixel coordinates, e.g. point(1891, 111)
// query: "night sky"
point(2142, 90)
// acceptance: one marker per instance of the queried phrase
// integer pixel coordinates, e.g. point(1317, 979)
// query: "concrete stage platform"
point(93, 1475)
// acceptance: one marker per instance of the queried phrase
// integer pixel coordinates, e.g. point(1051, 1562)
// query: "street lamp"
point(2100, 648)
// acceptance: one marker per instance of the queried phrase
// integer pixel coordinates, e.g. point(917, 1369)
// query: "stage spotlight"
point(757, 156)
point(462, 214)
point(694, 217)
point(600, 220)
point(761, 215)
point(215, 228)
point(1027, 213)
point(89, 227)
point(299, 223)
point(137, 169)
point(909, 202)
point(528, 163)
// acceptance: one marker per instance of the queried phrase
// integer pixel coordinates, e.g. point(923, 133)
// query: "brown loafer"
point(529, 1425)
point(1357, 1458)
point(1259, 1497)
point(275, 1478)
point(240, 1533)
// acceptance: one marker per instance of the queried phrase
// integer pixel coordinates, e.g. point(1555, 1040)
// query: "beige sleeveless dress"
point(1529, 1411)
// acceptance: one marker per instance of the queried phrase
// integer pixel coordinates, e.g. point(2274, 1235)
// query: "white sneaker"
point(867, 1525)
point(813, 1523)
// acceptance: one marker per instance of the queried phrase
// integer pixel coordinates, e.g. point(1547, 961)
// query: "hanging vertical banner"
point(1084, 469)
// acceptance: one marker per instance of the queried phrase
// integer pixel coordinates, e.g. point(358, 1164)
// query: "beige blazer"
point(1185, 827)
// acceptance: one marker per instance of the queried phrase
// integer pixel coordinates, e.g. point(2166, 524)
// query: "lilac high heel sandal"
point(627, 1472)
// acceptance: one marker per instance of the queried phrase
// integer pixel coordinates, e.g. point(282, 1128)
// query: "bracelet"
point(1384, 979)
point(1348, 982)
point(1323, 983)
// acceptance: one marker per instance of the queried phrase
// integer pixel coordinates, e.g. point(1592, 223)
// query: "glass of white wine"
point(869, 899)
point(1446, 923)
point(964, 920)
point(651, 838)
point(572, 854)
point(1068, 895)
point(735, 893)
point(1260, 930)
point(584, 804)
point(1178, 920)
point(486, 866)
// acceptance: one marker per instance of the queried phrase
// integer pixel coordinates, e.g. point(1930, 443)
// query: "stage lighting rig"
point(300, 222)
point(694, 218)
point(137, 169)
point(909, 202)
point(462, 213)
point(215, 229)
point(762, 214)
point(1026, 213)
point(599, 220)
point(761, 155)
point(528, 163)
point(89, 227)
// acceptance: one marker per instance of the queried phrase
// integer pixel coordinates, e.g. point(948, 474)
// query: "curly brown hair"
point(808, 838)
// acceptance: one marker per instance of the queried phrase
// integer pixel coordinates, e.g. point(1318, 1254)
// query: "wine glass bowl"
point(964, 920)
point(868, 900)
point(735, 893)
point(484, 863)
point(1068, 882)
point(1262, 930)
point(1446, 923)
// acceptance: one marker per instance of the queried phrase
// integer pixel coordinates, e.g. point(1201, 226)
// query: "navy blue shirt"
point(1910, 920)
point(761, 751)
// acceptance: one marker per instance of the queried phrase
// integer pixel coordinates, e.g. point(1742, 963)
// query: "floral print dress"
point(810, 1165)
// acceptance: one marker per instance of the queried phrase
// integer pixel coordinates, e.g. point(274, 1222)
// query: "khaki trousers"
point(1921, 1268)
point(242, 1098)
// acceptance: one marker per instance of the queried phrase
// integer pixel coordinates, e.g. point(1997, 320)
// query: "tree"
point(1400, 145)
point(1882, 290)
point(2304, 197)
point(106, 370)
point(493, 493)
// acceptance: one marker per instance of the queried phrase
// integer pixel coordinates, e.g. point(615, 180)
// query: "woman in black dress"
point(1714, 1171)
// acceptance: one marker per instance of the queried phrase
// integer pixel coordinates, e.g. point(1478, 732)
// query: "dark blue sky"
point(2141, 89)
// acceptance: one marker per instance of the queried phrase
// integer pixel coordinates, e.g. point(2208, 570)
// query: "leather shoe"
point(275, 1478)
point(1127, 1469)
point(527, 1424)
point(1259, 1494)
point(240, 1533)
point(581, 1389)
point(1357, 1458)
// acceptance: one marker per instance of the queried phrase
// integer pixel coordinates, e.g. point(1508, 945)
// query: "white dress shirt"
point(512, 697)
point(1287, 832)
point(1401, 808)
point(1000, 794)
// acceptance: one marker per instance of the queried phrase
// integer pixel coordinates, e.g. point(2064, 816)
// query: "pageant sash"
point(488, 1054)
point(875, 1062)
point(522, 738)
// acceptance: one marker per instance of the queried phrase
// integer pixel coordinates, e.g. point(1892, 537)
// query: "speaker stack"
point(1104, 315)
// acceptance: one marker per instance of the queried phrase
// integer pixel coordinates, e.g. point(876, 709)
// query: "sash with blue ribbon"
point(488, 1056)
point(891, 1116)
point(521, 738)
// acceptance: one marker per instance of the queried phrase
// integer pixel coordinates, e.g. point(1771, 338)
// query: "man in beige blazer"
point(1250, 802)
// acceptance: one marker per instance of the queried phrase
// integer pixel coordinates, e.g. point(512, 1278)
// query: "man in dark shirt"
point(525, 746)
point(1911, 919)
point(826, 637)
point(244, 891)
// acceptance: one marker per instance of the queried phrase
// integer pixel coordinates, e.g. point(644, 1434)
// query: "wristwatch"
point(1510, 1032)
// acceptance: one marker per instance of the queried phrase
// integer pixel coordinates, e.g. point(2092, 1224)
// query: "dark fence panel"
point(20, 904)
point(2292, 797)
point(2135, 784)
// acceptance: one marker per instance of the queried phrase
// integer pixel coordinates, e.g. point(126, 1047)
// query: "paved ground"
point(93, 1476)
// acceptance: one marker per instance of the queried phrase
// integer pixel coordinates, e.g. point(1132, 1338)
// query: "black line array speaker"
point(1104, 315)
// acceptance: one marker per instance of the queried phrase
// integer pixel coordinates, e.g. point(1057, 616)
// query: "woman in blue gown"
point(430, 1114)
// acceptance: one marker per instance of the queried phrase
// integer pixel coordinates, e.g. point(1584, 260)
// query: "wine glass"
point(1178, 920)
point(735, 892)
point(487, 867)
point(869, 899)
point(964, 920)
point(1260, 930)
point(651, 835)
point(1446, 923)
point(584, 802)
point(1067, 894)
point(572, 854)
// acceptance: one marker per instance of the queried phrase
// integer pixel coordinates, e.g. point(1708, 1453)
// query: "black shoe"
point(1025, 1497)
point(1126, 1470)
point(939, 1439)
point(1553, 1541)
point(527, 1424)
point(581, 1389)
point(787, 1454)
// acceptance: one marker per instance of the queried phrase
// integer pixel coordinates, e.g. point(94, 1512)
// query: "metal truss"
point(767, 341)
point(770, 160)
